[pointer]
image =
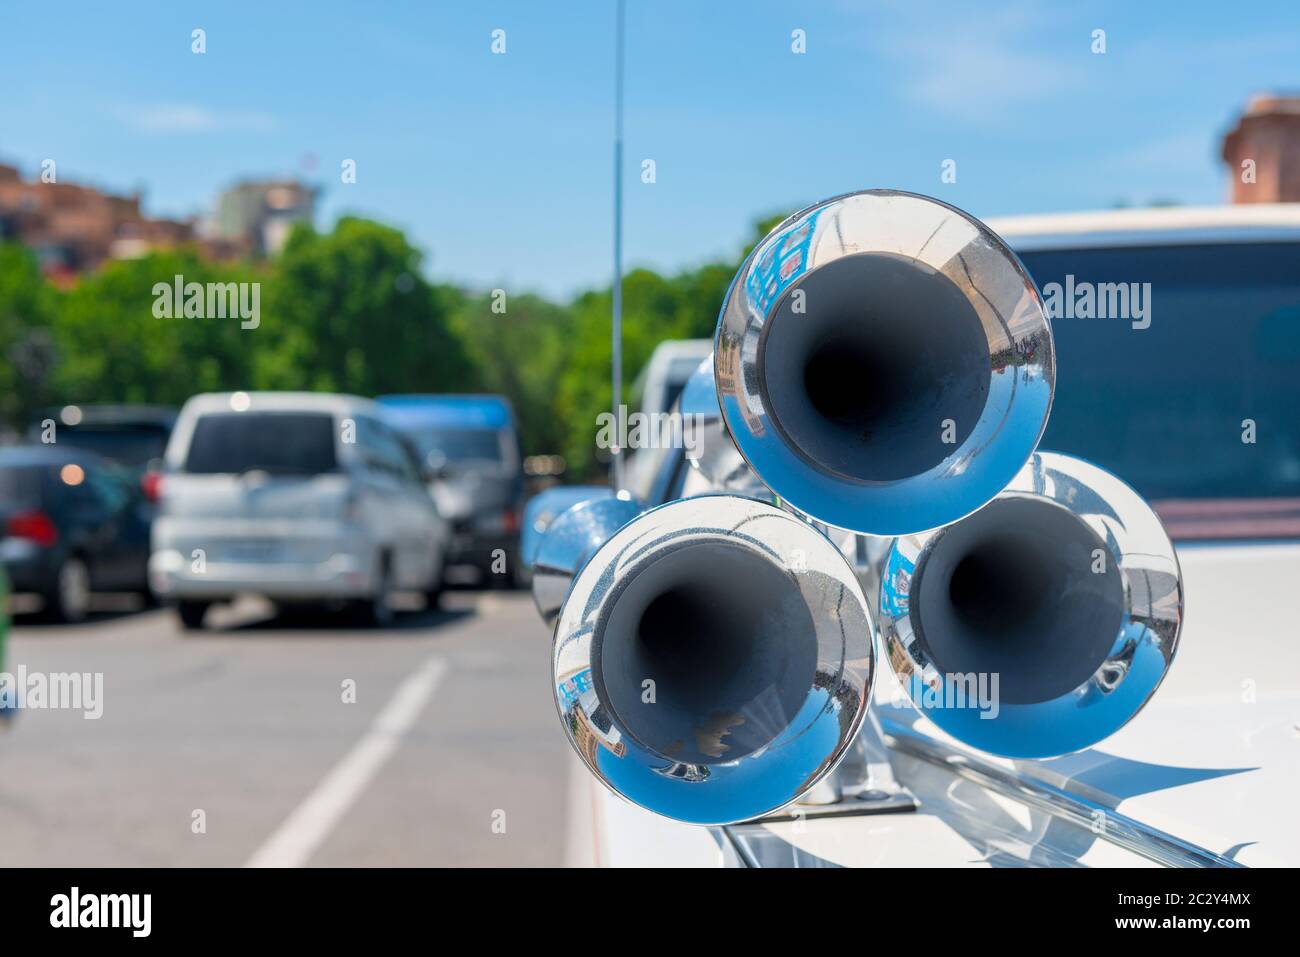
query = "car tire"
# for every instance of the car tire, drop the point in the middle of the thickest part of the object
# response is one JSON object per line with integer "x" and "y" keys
{"x": 68, "y": 601}
{"x": 433, "y": 594}
{"x": 509, "y": 580}
{"x": 192, "y": 613}
{"x": 375, "y": 611}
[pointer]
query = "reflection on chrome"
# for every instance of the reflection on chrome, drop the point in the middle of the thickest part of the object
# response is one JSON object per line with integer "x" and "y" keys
{"x": 884, "y": 362}
{"x": 716, "y": 458}
{"x": 569, "y": 542}
{"x": 883, "y": 366}
{"x": 1065, "y": 586}
{"x": 713, "y": 659}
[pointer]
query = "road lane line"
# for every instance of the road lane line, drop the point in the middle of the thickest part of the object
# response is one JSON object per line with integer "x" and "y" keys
{"x": 307, "y": 826}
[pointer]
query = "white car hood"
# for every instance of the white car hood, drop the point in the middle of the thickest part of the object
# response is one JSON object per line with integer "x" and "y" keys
{"x": 1215, "y": 757}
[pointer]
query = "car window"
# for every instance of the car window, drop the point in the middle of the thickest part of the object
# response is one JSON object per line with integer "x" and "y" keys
{"x": 281, "y": 443}
{"x": 127, "y": 444}
{"x": 411, "y": 460}
{"x": 107, "y": 491}
{"x": 460, "y": 445}
{"x": 381, "y": 449}
{"x": 1168, "y": 406}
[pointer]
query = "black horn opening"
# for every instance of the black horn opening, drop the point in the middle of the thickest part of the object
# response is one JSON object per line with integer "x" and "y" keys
{"x": 866, "y": 359}
{"x": 1022, "y": 589}
{"x": 726, "y": 641}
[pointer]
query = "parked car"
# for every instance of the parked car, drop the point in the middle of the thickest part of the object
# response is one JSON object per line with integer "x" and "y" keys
{"x": 661, "y": 381}
{"x": 7, "y": 707}
{"x": 297, "y": 497}
{"x": 72, "y": 524}
{"x": 133, "y": 436}
{"x": 655, "y": 392}
{"x": 470, "y": 444}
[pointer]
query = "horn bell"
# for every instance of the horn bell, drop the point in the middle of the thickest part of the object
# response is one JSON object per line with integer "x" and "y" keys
{"x": 884, "y": 362}
{"x": 1062, "y": 596}
{"x": 713, "y": 660}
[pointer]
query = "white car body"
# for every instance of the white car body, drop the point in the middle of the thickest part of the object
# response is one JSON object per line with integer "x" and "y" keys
{"x": 296, "y": 537}
{"x": 1207, "y": 774}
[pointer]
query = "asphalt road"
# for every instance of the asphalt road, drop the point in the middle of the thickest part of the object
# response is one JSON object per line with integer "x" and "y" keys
{"x": 450, "y": 755}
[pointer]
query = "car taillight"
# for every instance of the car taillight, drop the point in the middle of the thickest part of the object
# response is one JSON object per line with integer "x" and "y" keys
{"x": 510, "y": 521}
{"x": 34, "y": 526}
{"x": 151, "y": 485}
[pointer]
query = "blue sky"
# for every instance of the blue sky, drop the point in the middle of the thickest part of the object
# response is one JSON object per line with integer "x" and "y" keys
{"x": 498, "y": 166}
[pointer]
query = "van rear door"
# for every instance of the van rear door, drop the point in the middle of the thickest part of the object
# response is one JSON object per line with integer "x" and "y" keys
{"x": 266, "y": 476}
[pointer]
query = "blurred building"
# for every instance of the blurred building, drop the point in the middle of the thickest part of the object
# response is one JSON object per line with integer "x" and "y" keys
{"x": 73, "y": 228}
{"x": 1268, "y": 134}
{"x": 260, "y": 213}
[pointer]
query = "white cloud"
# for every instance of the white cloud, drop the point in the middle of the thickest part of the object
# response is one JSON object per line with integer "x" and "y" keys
{"x": 191, "y": 118}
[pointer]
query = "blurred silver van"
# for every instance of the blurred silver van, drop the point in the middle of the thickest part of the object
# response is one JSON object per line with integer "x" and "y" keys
{"x": 294, "y": 496}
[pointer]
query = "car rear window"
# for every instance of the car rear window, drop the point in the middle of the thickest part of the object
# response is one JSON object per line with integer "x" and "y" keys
{"x": 460, "y": 445}
{"x": 134, "y": 445}
{"x": 280, "y": 443}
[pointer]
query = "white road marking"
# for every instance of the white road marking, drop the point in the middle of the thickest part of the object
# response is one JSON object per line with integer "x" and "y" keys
{"x": 294, "y": 842}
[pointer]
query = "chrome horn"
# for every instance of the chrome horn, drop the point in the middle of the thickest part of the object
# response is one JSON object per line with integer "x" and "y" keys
{"x": 1062, "y": 597}
{"x": 884, "y": 363}
{"x": 713, "y": 660}
{"x": 569, "y": 542}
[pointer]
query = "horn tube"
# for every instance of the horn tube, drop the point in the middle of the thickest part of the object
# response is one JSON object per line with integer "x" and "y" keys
{"x": 713, "y": 660}
{"x": 1060, "y": 602}
{"x": 884, "y": 363}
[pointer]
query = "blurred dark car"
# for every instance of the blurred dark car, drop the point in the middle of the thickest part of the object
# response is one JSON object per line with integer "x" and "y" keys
{"x": 470, "y": 445}
{"x": 70, "y": 523}
{"x": 132, "y": 436}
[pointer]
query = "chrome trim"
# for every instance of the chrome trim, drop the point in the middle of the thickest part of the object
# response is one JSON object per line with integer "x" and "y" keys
{"x": 1117, "y": 828}
{"x": 568, "y": 545}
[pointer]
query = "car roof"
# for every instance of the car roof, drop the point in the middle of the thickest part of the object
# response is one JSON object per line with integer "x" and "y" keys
{"x": 457, "y": 411}
{"x": 107, "y": 414}
{"x": 18, "y": 456}
{"x": 1160, "y": 226}
{"x": 682, "y": 348}
{"x": 336, "y": 403}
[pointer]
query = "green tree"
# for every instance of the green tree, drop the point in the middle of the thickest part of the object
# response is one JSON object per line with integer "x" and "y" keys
{"x": 350, "y": 312}
{"x": 112, "y": 347}
{"x": 519, "y": 347}
{"x": 655, "y": 308}
{"x": 27, "y": 306}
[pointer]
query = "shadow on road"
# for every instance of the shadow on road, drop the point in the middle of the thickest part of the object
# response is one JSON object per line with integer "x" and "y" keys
{"x": 28, "y": 612}
{"x": 315, "y": 622}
